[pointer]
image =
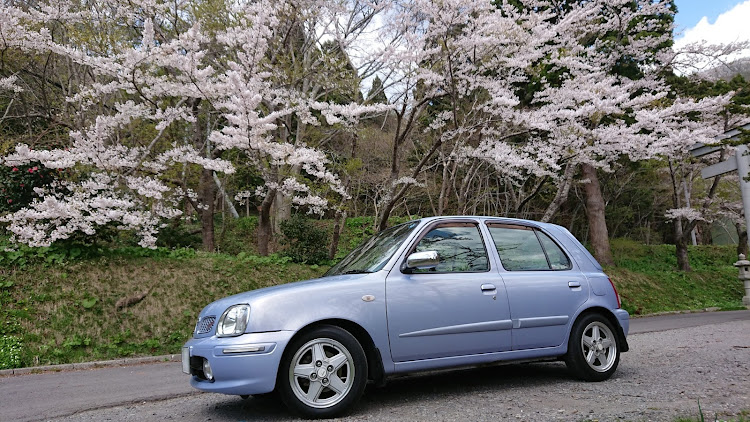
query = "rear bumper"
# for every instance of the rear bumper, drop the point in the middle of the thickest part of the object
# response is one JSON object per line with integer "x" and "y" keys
{"x": 623, "y": 317}
{"x": 246, "y": 364}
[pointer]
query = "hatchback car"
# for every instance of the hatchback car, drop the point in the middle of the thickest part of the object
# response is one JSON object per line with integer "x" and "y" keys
{"x": 432, "y": 293}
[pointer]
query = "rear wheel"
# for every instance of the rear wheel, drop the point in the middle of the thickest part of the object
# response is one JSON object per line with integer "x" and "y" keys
{"x": 323, "y": 372}
{"x": 593, "y": 349}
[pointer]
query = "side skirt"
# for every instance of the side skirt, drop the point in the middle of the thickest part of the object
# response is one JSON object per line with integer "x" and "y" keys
{"x": 509, "y": 357}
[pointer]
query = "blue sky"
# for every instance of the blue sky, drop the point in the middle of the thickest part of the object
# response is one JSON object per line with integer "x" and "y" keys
{"x": 689, "y": 12}
{"x": 712, "y": 21}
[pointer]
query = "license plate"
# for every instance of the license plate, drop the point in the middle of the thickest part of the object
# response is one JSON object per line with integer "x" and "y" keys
{"x": 186, "y": 360}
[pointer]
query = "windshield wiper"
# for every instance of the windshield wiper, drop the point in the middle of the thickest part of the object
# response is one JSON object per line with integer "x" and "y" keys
{"x": 357, "y": 272}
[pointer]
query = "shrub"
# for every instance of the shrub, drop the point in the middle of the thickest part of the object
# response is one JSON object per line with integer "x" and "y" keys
{"x": 237, "y": 235}
{"x": 178, "y": 236}
{"x": 10, "y": 352}
{"x": 305, "y": 242}
{"x": 17, "y": 184}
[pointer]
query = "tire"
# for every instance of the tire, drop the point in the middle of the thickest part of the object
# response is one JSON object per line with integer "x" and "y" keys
{"x": 323, "y": 373}
{"x": 593, "y": 348}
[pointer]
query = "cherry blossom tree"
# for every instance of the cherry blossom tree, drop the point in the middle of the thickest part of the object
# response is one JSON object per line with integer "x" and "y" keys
{"x": 703, "y": 121}
{"x": 456, "y": 64}
{"x": 605, "y": 73}
{"x": 166, "y": 102}
{"x": 701, "y": 111}
{"x": 168, "y": 97}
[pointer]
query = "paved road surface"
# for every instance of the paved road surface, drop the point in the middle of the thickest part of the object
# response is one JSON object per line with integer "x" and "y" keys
{"x": 51, "y": 395}
{"x": 672, "y": 322}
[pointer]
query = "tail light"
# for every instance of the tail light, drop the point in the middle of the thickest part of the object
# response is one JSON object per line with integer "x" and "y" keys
{"x": 617, "y": 295}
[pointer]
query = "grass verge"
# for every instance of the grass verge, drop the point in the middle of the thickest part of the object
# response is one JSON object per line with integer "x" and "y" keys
{"x": 648, "y": 282}
{"x": 66, "y": 313}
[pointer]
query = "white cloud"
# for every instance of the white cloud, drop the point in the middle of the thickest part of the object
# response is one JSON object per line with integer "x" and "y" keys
{"x": 712, "y": 51}
{"x": 730, "y": 26}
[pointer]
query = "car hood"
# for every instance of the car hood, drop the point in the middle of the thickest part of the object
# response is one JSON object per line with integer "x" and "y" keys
{"x": 218, "y": 307}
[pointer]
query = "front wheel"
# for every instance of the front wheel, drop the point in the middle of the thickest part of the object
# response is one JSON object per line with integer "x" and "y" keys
{"x": 593, "y": 349}
{"x": 323, "y": 372}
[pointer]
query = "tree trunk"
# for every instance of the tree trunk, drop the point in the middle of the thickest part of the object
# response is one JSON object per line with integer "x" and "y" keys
{"x": 562, "y": 193}
{"x": 227, "y": 200}
{"x": 462, "y": 192}
{"x": 598, "y": 235}
{"x": 385, "y": 213}
{"x": 338, "y": 227}
{"x": 208, "y": 196}
{"x": 444, "y": 188}
{"x": 683, "y": 263}
{"x": 265, "y": 228}
{"x": 280, "y": 211}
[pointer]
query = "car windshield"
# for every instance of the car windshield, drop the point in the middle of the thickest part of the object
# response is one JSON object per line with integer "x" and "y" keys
{"x": 373, "y": 253}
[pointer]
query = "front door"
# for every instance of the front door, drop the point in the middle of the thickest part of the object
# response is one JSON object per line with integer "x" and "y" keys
{"x": 458, "y": 308}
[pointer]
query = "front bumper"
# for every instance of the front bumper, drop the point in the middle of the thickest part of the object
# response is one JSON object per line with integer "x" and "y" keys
{"x": 246, "y": 364}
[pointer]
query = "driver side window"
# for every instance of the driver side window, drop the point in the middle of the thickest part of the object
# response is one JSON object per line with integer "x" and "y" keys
{"x": 459, "y": 245}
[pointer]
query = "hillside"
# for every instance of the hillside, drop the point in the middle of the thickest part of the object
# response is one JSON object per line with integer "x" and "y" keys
{"x": 729, "y": 70}
{"x": 58, "y": 309}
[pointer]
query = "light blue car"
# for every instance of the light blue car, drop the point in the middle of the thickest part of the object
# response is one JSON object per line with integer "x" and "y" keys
{"x": 432, "y": 293}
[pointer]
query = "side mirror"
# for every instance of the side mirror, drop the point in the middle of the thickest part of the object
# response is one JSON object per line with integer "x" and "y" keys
{"x": 422, "y": 260}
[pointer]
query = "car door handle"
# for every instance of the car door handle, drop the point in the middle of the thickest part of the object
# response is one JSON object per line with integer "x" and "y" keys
{"x": 573, "y": 284}
{"x": 488, "y": 287}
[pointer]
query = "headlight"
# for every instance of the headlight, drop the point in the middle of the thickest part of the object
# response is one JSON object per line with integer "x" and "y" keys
{"x": 234, "y": 321}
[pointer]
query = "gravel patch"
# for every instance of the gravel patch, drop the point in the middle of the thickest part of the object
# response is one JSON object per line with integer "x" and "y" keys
{"x": 663, "y": 376}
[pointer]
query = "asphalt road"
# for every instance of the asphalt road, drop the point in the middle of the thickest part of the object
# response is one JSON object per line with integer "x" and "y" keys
{"x": 59, "y": 394}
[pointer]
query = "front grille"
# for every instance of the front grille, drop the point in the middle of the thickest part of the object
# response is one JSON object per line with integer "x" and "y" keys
{"x": 205, "y": 324}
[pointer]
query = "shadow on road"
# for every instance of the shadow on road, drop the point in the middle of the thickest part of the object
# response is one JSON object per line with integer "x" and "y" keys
{"x": 425, "y": 389}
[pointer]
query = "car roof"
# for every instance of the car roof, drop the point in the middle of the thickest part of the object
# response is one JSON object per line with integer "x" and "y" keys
{"x": 488, "y": 217}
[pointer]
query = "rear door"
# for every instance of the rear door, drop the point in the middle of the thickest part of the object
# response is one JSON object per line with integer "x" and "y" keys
{"x": 545, "y": 287}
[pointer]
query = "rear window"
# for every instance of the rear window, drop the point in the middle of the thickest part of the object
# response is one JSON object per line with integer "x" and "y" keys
{"x": 523, "y": 248}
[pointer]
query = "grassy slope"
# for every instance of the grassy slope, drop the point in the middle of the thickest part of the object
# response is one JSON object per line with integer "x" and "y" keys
{"x": 65, "y": 312}
{"x": 52, "y": 308}
{"x": 647, "y": 281}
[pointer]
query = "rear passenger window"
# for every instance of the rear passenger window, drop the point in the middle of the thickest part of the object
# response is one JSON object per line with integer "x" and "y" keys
{"x": 523, "y": 248}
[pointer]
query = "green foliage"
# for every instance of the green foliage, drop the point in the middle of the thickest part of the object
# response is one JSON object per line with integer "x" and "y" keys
{"x": 744, "y": 416}
{"x": 703, "y": 88}
{"x": 66, "y": 313}
{"x": 237, "y": 235}
{"x": 89, "y": 303}
{"x": 647, "y": 279}
{"x": 17, "y": 185}
{"x": 376, "y": 94}
{"x": 20, "y": 257}
{"x": 10, "y": 352}
{"x": 178, "y": 236}
{"x": 360, "y": 228}
{"x": 305, "y": 241}
{"x": 23, "y": 256}
{"x": 635, "y": 204}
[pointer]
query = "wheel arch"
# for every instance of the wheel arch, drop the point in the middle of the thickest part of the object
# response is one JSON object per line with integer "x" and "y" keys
{"x": 612, "y": 320}
{"x": 375, "y": 369}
